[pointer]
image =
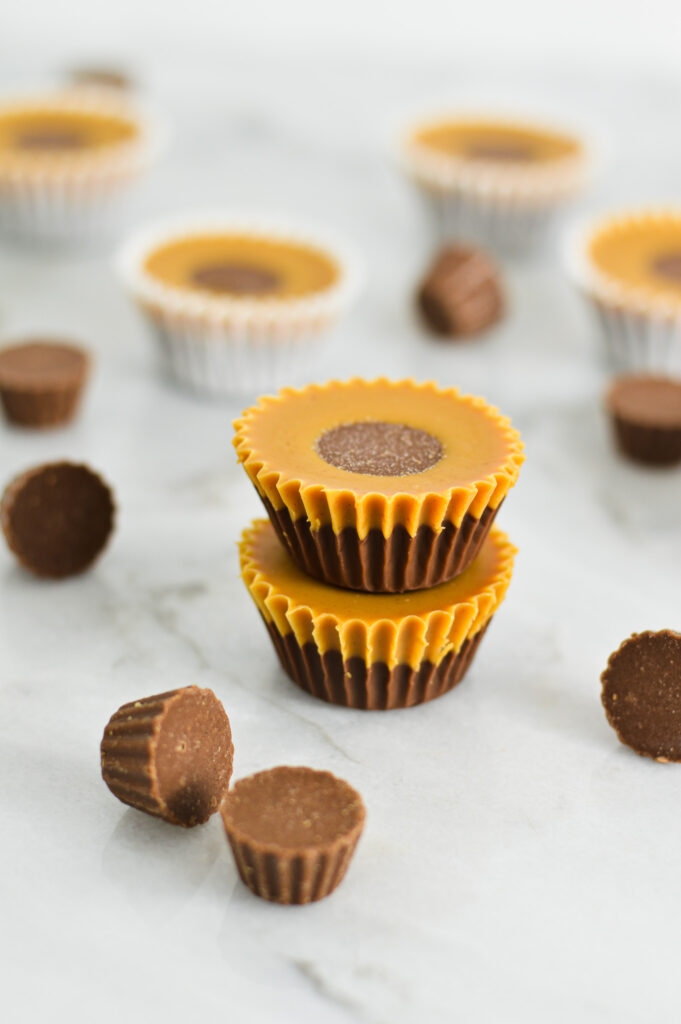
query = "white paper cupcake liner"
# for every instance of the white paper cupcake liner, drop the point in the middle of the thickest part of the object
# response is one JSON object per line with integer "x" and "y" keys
{"x": 508, "y": 208}
{"x": 75, "y": 195}
{"x": 223, "y": 345}
{"x": 640, "y": 331}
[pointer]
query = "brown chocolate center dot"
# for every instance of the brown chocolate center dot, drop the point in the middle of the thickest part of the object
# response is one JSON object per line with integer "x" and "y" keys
{"x": 238, "y": 278}
{"x": 669, "y": 266}
{"x": 51, "y": 139}
{"x": 376, "y": 448}
{"x": 499, "y": 151}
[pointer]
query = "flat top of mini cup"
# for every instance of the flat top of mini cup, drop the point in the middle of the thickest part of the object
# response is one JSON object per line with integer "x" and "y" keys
{"x": 378, "y": 437}
{"x": 293, "y": 808}
{"x": 240, "y": 264}
{"x": 266, "y": 563}
{"x": 32, "y": 131}
{"x": 498, "y": 141}
{"x": 639, "y": 251}
{"x": 41, "y": 364}
{"x": 57, "y": 518}
{"x": 642, "y": 693}
{"x": 645, "y": 399}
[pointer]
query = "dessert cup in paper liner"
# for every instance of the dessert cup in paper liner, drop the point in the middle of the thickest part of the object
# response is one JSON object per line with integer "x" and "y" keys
{"x": 238, "y": 304}
{"x": 69, "y": 161}
{"x": 628, "y": 266}
{"x": 491, "y": 179}
{"x": 293, "y": 832}
{"x": 373, "y": 651}
{"x": 384, "y": 486}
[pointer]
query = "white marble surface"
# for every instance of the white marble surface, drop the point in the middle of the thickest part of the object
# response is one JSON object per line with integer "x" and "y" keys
{"x": 518, "y": 864}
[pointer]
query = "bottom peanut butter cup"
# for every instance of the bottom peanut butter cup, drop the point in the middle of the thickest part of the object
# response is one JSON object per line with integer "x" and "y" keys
{"x": 293, "y": 832}
{"x": 170, "y": 755}
{"x": 373, "y": 651}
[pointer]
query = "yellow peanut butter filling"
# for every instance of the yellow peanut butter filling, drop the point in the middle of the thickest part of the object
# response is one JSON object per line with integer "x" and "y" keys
{"x": 45, "y": 133}
{"x": 243, "y": 265}
{"x": 641, "y": 252}
{"x": 423, "y": 625}
{"x": 471, "y": 453}
{"x": 496, "y": 141}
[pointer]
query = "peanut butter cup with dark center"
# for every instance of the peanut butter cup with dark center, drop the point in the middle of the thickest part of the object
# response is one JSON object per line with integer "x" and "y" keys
{"x": 376, "y": 485}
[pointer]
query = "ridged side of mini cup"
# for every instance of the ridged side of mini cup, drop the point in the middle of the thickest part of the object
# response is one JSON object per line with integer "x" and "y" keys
{"x": 127, "y": 752}
{"x": 648, "y": 445}
{"x": 41, "y": 408}
{"x": 292, "y": 878}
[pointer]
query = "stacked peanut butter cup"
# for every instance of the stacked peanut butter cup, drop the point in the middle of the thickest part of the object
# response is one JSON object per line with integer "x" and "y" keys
{"x": 380, "y": 568}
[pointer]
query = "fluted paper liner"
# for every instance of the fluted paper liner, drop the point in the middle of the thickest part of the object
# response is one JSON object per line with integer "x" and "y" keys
{"x": 378, "y": 533}
{"x": 294, "y": 875}
{"x": 129, "y": 750}
{"x": 222, "y": 344}
{"x": 370, "y": 650}
{"x": 641, "y": 326}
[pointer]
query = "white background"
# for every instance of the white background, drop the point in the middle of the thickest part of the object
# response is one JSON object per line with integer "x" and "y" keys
{"x": 519, "y": 866}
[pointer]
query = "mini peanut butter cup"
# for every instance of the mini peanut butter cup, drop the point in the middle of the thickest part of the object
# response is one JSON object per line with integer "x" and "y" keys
{"x": 461, "y": 294}
{"x": 646, "y": 416}
{"x": 41, "y": 382}
{"x": 170, "y": 755}
{"x": 370, "y": 651}
{"x": 57, "y": 518}
{"x": 293, "y": 832}
{"x": 379, "y": 486}
{"x": 642, "y": 694}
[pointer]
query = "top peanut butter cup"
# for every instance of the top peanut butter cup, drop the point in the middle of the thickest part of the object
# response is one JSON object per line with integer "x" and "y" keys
{"x": 379, "y": 485}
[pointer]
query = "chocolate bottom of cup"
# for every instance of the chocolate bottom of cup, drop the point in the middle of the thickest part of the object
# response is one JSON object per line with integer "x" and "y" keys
{"x": 41, "y": 409}
{"x": 654, "y": 446}
{"x": 379, "y": 564}
{"x": 294, "y": 878}
{"x": 375, "y": 687}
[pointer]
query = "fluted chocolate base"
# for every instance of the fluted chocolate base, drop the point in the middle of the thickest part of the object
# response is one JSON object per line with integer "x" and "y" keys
{"x": 653, "y": 446}
{"x": 376, "y": 687}
{"x": 293, "y": 878}
{"x": 41, "y": 409}
{"x": 379, "y": 564}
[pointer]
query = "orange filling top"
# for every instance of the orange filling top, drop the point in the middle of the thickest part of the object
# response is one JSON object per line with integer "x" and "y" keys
{"x": 242, "y": 265}
{"x": 49, "y": 132}
{"x": 643, "y": 252}
{"x": 496, "y": 141}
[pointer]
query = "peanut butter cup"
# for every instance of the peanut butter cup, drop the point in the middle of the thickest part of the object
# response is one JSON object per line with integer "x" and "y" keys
{"x": 41, "y": 382}
{"x": 293, "y": 832}
{"x": 642, "y": 694}
{"x": 461, "y": 294}
{"x": 170, "y": 755}
{"x": 646, "y": 417}
{"x": 373, "y": 651}
{"x": 376, "y": 485}
{"x": 57, "y": 518}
